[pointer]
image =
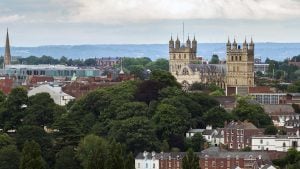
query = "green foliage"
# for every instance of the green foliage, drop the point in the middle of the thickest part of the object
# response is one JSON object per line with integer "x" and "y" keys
{"x": 195, "y": 143}
{"x": 190, "y": 161}
{"x": 164, "y": 77}
{"x": 65, "y": 159}
{"x": 9, "y": 157}
{"x": 246, "y": 149}
{"x": 6, "y": 140}
{"x": 159, "y": 64}
{"x": 294, "y": 88}
{"x": 214, "y": 59}
{"x": 216, "y": 117}
{"x": 31, "y": 156}
{"x": 251, "y": 112}
{"x": 271, "y": 130}
{"x": 290, "y": 161}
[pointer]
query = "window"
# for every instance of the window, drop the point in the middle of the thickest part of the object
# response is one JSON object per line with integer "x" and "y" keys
{"x": 213, "y": 163}
{"x": 231, "y": 58}
{"x": 240, "y": 58}
{"x": 153, "y": 165}
{"x": 139, "y": 165}
{"x": 146, "y": 165}
{"x": 222, "y": 164}
{"x": 283, "y": 145}
{"x": 261, "y": 141}
{"x": 206, "y": 163}
{"x": 169, "y": 164}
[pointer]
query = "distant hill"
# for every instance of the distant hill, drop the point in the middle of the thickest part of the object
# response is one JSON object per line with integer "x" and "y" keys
{"x": 278, "y": 51}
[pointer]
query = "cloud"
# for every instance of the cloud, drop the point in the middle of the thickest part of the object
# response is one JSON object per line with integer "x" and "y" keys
{"x": 10, "y": 18}
{"x": 120, "y": 11}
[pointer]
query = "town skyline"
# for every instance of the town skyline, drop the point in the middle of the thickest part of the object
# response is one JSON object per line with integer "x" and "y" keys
{"x": 53, "y": 22}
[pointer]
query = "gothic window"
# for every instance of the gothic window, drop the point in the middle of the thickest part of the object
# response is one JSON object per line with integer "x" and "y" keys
{"x": 240, "y": 58}
{"x": 174, "y": 56}
{"x": 179, "y": 56}
{"x": 283, "y": 145}
{"x": 184, "y": 56}
{"x": 249, "y": 82}
{"x": 236, "y": 58}
{"x": 235, "y": 81}
{"x": 237, "y": 69}
{"x": 185, "y": 71}
{"x": 234, "y": 68}
{"x": 231, "y": 58}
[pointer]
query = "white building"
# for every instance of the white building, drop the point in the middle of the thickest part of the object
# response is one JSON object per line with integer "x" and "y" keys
{"x": 207, "y": 133}
{"x": 146, "y": 160}
{"x": 275, "y": 142}
{"x": 55, "y": 93}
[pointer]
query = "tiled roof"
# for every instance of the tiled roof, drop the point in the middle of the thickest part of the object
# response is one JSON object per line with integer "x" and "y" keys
{"x": 260, "y": 89}
{"x": 278, "y": 109}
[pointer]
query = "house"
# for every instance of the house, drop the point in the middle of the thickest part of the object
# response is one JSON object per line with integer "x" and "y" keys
{"x": 275, "y": 142}
{"x": 208, "y": 133}
{"x": 147, "y": 160}
{"x": 281, "y": 113}
{"x": 217, "y": 158}
{"x": 237, "y": 135}
{"x": 54, "y": 91}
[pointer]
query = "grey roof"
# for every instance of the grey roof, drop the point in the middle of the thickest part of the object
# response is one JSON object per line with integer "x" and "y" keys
{"x": 208, "y": 132}
{"x": 221, "y": 153}
{"x": 241, "y": 125}
{"x": 196, "y": 130}
{"x": 208, "y": 68}
{"x": 278, "y": 108}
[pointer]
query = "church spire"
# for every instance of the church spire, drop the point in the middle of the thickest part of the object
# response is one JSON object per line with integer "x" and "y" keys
{"x": 7, "y": 55}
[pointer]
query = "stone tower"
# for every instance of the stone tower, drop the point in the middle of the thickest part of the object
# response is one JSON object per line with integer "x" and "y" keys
{"x": 7, "y": 55}
{"x": 181, "y": 56}
{"x": 240, "y": 68}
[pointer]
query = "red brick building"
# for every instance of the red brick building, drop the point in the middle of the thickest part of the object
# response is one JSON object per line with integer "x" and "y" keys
{"x": 6, "y": 84}
{"x": 237, "y": 135}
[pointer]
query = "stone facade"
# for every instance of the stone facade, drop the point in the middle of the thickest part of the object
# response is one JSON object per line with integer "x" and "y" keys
{"x": 185, "y": 66}
{"x": 236, "y": 76}
{"x": 240, "y": 67}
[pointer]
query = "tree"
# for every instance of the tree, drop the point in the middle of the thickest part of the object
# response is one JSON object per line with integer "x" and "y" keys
{"x": 196, "y": 143}
{"x": 190, "y": 160}
{"x": 9, "y": 157}
{"x": 271, "y": 130}
{"x": 252, "y": 112}
{"x": 143, "y": 137}
{"x": 214, "y": 59}
{"x": 159, "y": 64}
{"x": 90, "y": 62}
{"x": 148, "y": 91}
{"x": 6, "y": 140}
{"x": 66, "y": 159}
{"x": 129, "y": 162}
{"x": 92, "y": 152}
{"x": 40, "y": 110}
{"x": 295, "y": 87}
{"x": 216, "y": 117}
{"x": 31, "y": 156}
{"x": 164, "y": 77}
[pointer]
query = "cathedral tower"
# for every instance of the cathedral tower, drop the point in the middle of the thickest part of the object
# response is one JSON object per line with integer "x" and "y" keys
{"x": 181, "y": 56}
{"x": 7, "y": 55}
{"x": 240, "y": 68}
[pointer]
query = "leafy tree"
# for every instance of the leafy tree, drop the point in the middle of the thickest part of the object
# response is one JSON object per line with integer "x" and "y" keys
{"x": 214, "y": 59}
{"x": 38, "y": 135}
{"x": 159, "y": 64}
{"x": 129, "y": 162}
{"x": 295, "y": 87}
{"x": 143, "y": 137}
{"x": 132, "y": 109}
{"x": 6, "y": 140}
{"x": 195, "y": 143}
{"x": 164, "y": 77}
{"x": 90, "y": 62}
{"x": 252, "y": 112}
{"x": 66, "y": 159}
{"x": 92, "y": 152}
{"x": 31, "y": 156}
{"x": 147, "y": 91}
{"x": 190, "y": 161}
{"x": 271, "y": 130}
{"x": 9, "y": 157}
{"x": 137, "y": 71}
{"x": 216, "y": 117}
{"x": 40, "y": 110}
{"x": 296, "y": 108}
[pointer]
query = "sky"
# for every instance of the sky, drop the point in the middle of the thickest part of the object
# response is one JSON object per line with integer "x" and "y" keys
{"x": 73, "y": 22}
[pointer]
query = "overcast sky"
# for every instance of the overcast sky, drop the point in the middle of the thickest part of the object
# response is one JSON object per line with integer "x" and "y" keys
{"x": 49, "y": 22}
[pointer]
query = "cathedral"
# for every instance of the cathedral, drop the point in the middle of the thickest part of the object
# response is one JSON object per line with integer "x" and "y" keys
{"x": 235, "y": 77}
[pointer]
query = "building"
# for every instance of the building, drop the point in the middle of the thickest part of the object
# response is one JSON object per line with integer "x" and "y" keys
{"x": 240, "y": 68}
{"x": 261, "y": 67}
{"x": 55, "y": 92}
{"x": 6, "y": 84}
{"x": 275, "y": 142}
{"x": 216, "y": 158}
{"x": 7, "y": 55}
{"x": 237, "y": 135}
{"x": 186, "y": 67}
{"x": 211, "y": 158}
{"x": 208, "y": 133}
{"x": 281, "y": 113}
{"x": 147, "y": 160}
{"x": 269, "y": 98}
{"x": 108, "y": 61}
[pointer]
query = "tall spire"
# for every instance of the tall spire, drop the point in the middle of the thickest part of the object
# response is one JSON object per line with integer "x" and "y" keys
{"x": 7, "y": 55}
{"x": 121, "y": 71}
